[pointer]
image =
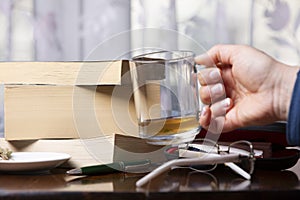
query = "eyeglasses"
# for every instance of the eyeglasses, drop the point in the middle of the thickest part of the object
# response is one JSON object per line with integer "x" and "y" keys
{"x": 207, "y": 152}
{"x": 207, "y": 148}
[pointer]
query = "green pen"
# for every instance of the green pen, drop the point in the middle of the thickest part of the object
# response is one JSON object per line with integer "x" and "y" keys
{"x": 121, "y": 166}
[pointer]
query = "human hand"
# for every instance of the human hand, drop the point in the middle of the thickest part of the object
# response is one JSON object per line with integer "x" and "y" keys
{"x": 243, "y": 87}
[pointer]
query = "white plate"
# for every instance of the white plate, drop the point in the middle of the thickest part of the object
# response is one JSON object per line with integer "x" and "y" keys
{"x": 33, "y": 161}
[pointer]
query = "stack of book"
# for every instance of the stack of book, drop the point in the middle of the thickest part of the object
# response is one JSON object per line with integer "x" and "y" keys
{"x": 54, "y": 106}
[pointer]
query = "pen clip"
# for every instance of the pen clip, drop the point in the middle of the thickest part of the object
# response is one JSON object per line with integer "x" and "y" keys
{"x": 137, "y": 166}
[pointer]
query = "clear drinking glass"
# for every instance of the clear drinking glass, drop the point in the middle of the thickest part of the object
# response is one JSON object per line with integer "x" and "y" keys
{"x": 166, "y": 96}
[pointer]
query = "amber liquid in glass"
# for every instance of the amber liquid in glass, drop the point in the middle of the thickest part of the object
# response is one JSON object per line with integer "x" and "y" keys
{"x": 168, "y": 126}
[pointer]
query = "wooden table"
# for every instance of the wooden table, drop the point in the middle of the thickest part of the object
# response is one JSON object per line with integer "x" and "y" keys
{"x": 177, "y": 184}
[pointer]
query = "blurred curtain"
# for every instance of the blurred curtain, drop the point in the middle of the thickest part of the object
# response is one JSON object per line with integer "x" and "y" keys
{"x": 59, "y": 30}
{"x": 72, "y": 29}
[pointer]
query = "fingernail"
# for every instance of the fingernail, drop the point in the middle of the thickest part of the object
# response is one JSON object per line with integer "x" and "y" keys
{"x": 226, "y": 102}
{"x": 214, "y": 75}
{"x": 217, "y": 89}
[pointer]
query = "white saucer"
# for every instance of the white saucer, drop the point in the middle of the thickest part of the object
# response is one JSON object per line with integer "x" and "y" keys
{"x": 33, "y": 161}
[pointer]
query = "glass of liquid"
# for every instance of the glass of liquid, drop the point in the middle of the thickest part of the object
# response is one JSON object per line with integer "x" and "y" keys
{"x": 165, "y": 89}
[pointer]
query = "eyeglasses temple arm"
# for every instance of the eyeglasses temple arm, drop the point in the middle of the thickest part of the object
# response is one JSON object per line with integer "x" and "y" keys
{"x": 187, "y": 162}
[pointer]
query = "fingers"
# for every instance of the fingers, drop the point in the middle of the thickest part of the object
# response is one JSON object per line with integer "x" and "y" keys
{"x": 209, "y": 76}
{"x": 213, "y": 118}
{"x": 213, "y": 125}
{"x": 220, "y": 108}
{"x": 205, "y": 117}
{"x": 212, "y": 93}
{"x": 218, "y": 54}
{"x": 212, "y": 88}
{"x": 204, "y": 59}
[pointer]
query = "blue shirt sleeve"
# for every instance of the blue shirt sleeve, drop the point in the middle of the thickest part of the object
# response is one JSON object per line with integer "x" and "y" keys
{"x": 293, "y": 123}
